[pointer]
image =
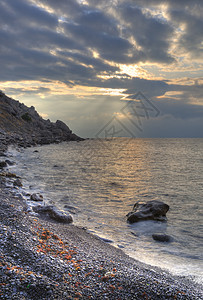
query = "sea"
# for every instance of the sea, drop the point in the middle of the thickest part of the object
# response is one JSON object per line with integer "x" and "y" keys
{"x": 98, "y": 181}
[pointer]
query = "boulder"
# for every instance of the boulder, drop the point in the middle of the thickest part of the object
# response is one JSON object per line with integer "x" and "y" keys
{"x": 36, "y": 197}
{"x": 161, "y": 237}
{"x": 53, "y": 213}
{"x": 151, "y": 210}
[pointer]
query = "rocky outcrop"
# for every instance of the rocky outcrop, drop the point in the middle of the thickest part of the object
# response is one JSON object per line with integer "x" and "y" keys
{"x": 151, "y": 210}
{"x": 53, "y": 213}
{"x": 23, "y": 126}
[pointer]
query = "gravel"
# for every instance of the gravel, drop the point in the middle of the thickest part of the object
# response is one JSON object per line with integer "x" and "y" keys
{"x": 41, "y": 259}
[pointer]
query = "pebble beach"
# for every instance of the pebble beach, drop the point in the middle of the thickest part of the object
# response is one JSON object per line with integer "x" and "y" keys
{"x": 43, "y": 259}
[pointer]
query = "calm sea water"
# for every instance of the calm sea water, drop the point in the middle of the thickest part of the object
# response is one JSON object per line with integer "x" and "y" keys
{"x": 99, "y": 181}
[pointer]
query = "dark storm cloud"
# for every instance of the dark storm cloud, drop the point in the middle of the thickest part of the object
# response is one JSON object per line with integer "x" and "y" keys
{"x": 98, "y": 64}
{"x": 47, "y": 43}
{"x": 110, "y": 47}
{"x": 14, "y": 12}
{"x": 79, "y": 43}
{"x": 151, "y": 34}
{"x": 181, "y": 96}
{"x": 179, "y": 109}
{"x": 29, "y": 51}
{"x": 189, "y": 14}
{"x": 150, "y": 31}
{"x": 151, "y": 88}
{"x": 45, "y": 38}
{"x": 111, "y": 35}
{"x": 191, "y": 39}
{"x": 99, "y": 21}
{"x": 36, "y": 65}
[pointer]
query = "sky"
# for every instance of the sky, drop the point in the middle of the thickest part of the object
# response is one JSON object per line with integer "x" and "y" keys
{"x": 107, "y": 67}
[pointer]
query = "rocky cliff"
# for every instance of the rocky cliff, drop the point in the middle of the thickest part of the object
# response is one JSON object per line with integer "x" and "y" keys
{"x": 23, "y": 126}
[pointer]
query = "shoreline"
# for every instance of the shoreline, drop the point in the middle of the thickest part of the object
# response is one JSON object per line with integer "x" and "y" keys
{"x": 43, "y": 259}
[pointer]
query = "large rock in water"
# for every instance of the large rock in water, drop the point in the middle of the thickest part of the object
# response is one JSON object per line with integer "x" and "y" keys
{"x": 151, "y": 210}
{"x": 53, "y": 213}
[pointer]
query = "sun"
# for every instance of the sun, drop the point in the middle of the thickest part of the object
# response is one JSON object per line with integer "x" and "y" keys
{"x": 132, "y": 70}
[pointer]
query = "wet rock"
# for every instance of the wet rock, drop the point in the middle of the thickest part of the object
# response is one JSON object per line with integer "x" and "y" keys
{"x": 2, "y": 153}
{"x": 17, "y": 182}
{"x": 151, "y": 210}
{"x": 36, "y": 197}
{"x": 10, "y": 163}
{"x": 3, "y": 164}
{"x": 104, "y": 239}
{"x": 161, "y": 237}
{"x": 71, "y": 209}
{"x": 9, "y": 175}
{"x": 53, "y": 213}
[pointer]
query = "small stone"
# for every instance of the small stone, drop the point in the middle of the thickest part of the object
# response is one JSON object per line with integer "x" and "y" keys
{"x": 17, "y": 182}
{"x": 36, "y": 197}
{"x": 10, "y": 163}
{"x": 3, "y": 164}
{"x": 54, "y": 213}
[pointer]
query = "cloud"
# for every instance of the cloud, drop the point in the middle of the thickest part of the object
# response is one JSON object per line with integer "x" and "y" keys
{"x": 179, "y": 109}
{"x": 77, "y": 42}
{"x": 161, "y": 23}
{"x": 22, "y": 12}
{"x": 97, "y": 20}
{"x": 85, "y": 43}
{"x": 151, "y": 34}
{"x": 98, "y": 64}
{"x": 190, "y": 40}
{"x": 65, "y": 8}
{"x": 26, "y": 91}
{"x": 109, "y": 47}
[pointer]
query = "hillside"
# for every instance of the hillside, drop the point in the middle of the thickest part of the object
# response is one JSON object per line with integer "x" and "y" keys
{"x": 24, "y": 126}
